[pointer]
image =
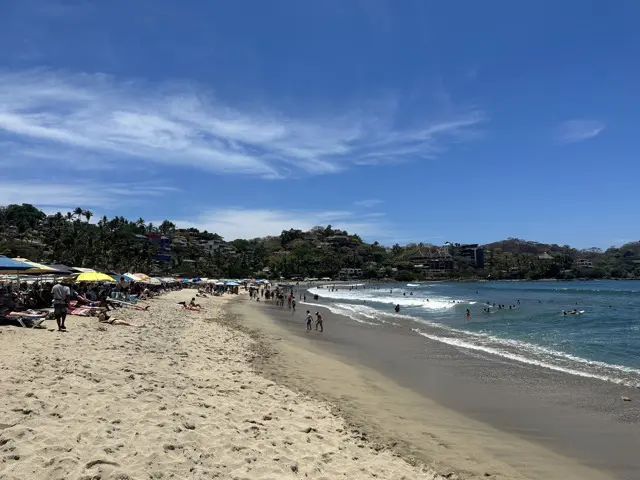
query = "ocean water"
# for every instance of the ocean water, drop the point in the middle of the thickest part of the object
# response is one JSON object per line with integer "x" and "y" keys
{"x": 603, "y": 342}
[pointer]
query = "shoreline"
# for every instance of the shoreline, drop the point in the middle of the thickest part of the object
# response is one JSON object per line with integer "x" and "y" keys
{"x": 574, "y": 420}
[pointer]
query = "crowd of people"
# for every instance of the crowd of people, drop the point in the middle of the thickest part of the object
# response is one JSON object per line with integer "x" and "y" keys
{"x": 286, "y": 293}
{"x": 48, "y": 299}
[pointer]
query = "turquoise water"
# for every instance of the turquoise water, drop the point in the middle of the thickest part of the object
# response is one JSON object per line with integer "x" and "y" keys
{"x": 603, "y": 342}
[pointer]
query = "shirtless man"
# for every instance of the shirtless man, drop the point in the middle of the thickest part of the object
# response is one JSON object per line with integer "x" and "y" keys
{"x": 319, "y": 322}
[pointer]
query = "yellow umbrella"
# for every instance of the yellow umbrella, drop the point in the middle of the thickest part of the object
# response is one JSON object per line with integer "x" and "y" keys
{"x": 94, "y": 277}
{"x": 36, "y": 267}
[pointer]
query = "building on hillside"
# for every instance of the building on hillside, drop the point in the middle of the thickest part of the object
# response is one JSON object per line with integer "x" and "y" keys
{"x": 210, "y": 246}
{"x": 339, "y": 240}
{"x": 433, "y": 258}
{"x": 345, "y": 273}
{"x": 163, "y": 255}
{"x": 545, "y": 256}
{"x": 472, "y": 251}
{"x": 583, "y": 263}
{"x": 179, "y": 241}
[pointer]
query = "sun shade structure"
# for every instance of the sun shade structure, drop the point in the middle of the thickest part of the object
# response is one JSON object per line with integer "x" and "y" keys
{"x": 130, "y": 277}
{"x": 82, "y": 270}
{"x": 36, "y": 268}
{"x": 61, "y": 268}
{"x": 11, "y": 267}
{"x": 94, "y": 277}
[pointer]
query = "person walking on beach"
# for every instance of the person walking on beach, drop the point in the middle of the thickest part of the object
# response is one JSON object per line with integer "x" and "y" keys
{"x": 309, "y": 320}
{"x": 293, "y": 305}
{"x": 61, "y": 296}
{"x": 319, "y": 322}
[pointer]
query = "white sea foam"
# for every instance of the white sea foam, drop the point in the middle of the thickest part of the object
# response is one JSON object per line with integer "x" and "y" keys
{"x": 606, "y": 372}
{"x": 383, "y": 296}
{"x": 354, "y": 312}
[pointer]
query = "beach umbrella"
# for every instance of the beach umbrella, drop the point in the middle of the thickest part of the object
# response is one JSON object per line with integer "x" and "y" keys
{"x": 143, "y": 277}
{"x": 35, "y": 267}
{"x": 220, "y": 283}
{"x": 94, "y": 277}
{"x": 154, "y": 281}
{"x": 10, "y": 266}
{"x": 82, "y": 270}
{"x": 61, "y": 268}
{"x": 131, "y": 277}
{"x": 232, "y": 284}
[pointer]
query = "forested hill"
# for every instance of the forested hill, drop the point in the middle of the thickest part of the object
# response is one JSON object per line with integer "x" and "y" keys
{"x": 118, "y": 245}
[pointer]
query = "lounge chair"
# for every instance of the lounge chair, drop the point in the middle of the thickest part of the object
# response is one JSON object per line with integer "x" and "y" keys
{"x": 27, "y": 320}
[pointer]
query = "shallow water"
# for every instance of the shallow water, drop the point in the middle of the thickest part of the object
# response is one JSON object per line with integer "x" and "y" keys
{"x": 603, "y": 342}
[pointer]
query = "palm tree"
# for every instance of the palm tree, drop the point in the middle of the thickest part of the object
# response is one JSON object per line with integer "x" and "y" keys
{"x": 78, "y": 212}
{"x": 87, "y": 214}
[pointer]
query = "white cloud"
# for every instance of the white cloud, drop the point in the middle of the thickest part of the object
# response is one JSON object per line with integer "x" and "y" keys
{"x": 93, "y": 119}
{"x": 573, "y": 131}
{"x": 65, "y": 197}
{"x": 372, "y": 202}
{"x": 232, "y": 223}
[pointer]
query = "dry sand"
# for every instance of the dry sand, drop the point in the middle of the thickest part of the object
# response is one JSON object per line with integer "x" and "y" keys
{"x": 178, "y": 399}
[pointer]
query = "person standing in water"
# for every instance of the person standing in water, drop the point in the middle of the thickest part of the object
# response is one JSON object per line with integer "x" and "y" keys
{"x": 397, "y": 309}
{"x": 468, "y": 313}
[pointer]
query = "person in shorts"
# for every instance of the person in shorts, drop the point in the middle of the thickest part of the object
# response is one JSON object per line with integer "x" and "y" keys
{"x": 309, "y": 320}
{"x": 61, "y": 295}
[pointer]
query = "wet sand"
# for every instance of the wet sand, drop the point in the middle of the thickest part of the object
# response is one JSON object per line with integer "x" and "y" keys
{"x": 478, "y": 415}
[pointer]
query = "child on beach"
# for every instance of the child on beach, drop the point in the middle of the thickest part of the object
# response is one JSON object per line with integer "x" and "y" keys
{"x": 309, "y": 320}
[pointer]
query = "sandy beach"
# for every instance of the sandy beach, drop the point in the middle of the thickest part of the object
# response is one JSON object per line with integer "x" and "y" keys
{"x": 178, "y": 399}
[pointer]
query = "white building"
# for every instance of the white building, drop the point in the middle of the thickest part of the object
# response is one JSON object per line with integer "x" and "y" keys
{"x": 584, "y": 263}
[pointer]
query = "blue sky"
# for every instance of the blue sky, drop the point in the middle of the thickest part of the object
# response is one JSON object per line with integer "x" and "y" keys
{"x": 402, "y": 121}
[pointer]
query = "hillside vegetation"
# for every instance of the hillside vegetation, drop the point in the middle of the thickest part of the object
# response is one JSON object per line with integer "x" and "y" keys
{"x": 118, "y": 245}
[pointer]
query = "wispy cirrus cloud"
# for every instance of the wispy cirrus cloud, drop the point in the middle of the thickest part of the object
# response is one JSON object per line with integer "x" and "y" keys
{"x": 368, "y": 203}
{"x": 573, "y": 131}
{"x": 234, "y": 222}
{"x": 64, "y": 196}
{"x": 100, "y": 120}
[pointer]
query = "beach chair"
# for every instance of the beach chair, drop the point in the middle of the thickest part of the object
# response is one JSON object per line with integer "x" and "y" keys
{"x": 27, "y": 320}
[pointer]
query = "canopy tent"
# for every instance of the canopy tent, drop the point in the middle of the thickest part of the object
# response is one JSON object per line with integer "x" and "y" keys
{"x": 10, "y": 266}
{"x": 36, "y": 268}
{"x": 94, "y": 277}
